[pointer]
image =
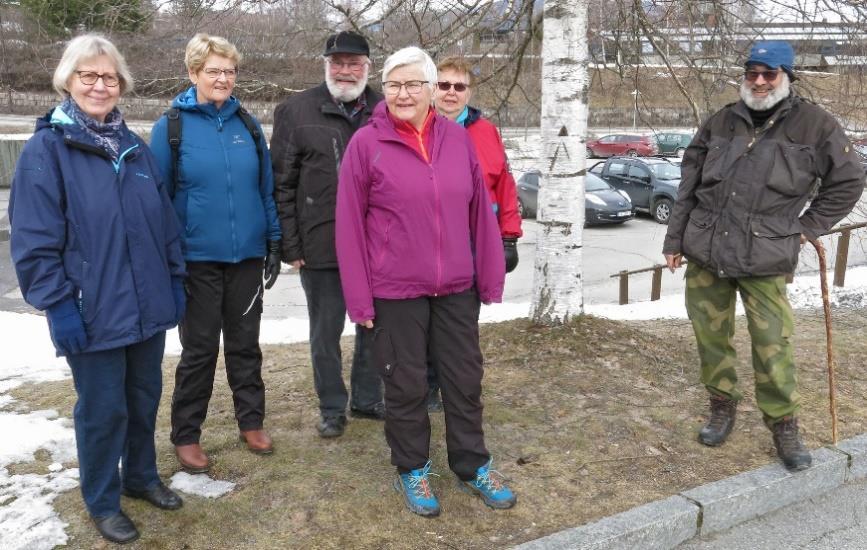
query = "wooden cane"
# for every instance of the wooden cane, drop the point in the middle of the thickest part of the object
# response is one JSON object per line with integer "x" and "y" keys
{"x": 826, "y": 305}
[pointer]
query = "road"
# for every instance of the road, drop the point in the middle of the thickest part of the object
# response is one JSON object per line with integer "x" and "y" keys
{"x": 835, "y": 521}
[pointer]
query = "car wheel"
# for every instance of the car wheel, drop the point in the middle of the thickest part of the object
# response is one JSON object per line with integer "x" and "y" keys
{"x": 680, "y": 152}
{"x": 521, "y": 211}
{"x": 590, "y": 154}
{"x": 632, "y": 153}
{"x": 662, "y": 211}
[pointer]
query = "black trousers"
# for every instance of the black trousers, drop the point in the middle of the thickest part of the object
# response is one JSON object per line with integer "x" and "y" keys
{"x": 446, "y": 330}
{"x": 227, "y": 298}
{"x": 326, "y": 310}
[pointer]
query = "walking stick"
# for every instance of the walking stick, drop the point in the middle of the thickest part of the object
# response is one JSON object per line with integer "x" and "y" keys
{"x": 826, "y": 305}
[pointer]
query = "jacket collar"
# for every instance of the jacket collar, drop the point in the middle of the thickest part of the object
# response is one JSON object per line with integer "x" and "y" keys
{"x": 328, "y": 106}
{"x": 786, "y": 105}
{"x": 61, "y": 122}
{"x": 188, "y": 101}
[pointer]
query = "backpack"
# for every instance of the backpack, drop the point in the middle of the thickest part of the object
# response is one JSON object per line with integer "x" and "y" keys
{"x": 174, "y": 134}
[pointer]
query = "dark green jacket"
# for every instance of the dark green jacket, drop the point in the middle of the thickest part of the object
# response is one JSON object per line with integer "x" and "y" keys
{"x": 740, "y": 206}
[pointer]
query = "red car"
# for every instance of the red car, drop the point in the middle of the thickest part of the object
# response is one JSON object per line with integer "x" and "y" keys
{"x": 622, "y": 144}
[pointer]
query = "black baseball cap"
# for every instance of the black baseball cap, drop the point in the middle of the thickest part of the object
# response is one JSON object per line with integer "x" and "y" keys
{"x": 347, "y": 42}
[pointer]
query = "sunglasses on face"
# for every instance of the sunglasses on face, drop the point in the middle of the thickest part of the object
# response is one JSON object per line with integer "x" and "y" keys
{"x": 752, "y": 76}
{"x": 458, "y": 86}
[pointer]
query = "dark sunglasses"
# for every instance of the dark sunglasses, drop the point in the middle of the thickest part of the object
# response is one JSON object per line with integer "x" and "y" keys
{"x": 769, "y": 76}
{"x": 446, "y": 86}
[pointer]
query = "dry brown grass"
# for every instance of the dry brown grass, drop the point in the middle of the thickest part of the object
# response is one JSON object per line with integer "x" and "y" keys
{"x": 586, "y": 420}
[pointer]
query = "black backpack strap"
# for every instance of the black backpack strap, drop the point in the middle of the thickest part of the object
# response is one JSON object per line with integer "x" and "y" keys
{"x": 248, "y": 121}
{"x": 173, "y": 116}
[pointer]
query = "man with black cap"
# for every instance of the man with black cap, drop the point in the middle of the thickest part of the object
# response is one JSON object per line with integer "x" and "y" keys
{"x": 311, "y": 131}
{"x": 739, "y": 219}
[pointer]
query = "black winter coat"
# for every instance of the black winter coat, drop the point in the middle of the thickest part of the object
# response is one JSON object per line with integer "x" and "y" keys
{"x": 740, "y": 206}
{"x": 310, "y": 135}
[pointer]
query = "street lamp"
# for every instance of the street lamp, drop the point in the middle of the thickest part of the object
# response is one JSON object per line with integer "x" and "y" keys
{"x": 635, "y": 94}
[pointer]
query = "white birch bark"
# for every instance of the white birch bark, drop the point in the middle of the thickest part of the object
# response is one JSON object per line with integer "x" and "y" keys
{"x": 558, "y": 277}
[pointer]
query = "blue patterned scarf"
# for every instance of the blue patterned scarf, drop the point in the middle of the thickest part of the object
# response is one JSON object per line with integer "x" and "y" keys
{"x": 106, "y": 134}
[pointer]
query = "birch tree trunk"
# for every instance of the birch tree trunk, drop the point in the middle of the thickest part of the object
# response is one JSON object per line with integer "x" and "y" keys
{"x": 557, "y": 281}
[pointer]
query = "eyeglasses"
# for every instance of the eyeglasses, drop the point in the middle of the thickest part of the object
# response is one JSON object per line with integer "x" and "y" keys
{"x": 392, "y": 87}
{"x": 769, "y": 76}
{"x": 354, "y": 66}
{"x": 89, "y": 78}
{"x": 458, "y": 86}
{"x": 214, "y": 73}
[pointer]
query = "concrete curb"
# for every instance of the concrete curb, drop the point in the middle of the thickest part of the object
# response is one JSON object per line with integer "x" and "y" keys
{"x": 716, "y": 506}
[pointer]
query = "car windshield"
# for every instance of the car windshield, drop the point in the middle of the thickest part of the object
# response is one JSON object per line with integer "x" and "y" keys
{"x": 594, "y": 183}
{"x": 665, "y": 171}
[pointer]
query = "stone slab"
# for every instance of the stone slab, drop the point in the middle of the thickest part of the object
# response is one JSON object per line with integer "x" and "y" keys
{"x": 740, "y": 498}
{"x": 856, "y": 448}
{"x": 659, "y": 525}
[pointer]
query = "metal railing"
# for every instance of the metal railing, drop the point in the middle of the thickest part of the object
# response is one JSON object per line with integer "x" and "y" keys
{"x": 840, "y": 265}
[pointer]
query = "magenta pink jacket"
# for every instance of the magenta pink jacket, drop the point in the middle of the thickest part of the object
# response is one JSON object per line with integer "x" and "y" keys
{"x": 408, "y": 228}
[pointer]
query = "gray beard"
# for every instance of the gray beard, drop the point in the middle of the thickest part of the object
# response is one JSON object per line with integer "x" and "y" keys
{"x": 775, "y": 96}
{"x": 345, "y": 94}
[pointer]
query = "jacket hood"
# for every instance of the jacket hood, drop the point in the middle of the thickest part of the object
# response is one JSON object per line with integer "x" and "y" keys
{"x": 473, "y": 115}
{"x": 187, "y": 101}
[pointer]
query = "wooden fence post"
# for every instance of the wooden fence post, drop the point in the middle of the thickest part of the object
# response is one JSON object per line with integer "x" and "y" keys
{"x": 656, "y": 284}
{"x": 842, "y": 258}
{"x": 624, "y": 287}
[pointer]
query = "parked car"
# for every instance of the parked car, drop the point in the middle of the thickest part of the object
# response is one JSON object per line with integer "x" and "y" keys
{"x": 602, "y": 203}
{"x": 622, "y": 144}
{"x": 651, "y": 183}
{"x": 673, "y": 144}
{"x": 860, "y": 147}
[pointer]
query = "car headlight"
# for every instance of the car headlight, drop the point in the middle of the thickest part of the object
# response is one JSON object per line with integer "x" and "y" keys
{"x": 594, "y": 199}
{"x": 625, "y": 195}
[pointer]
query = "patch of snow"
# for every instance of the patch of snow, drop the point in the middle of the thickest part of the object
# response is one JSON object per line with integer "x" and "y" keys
{"x": 201, "y": 485}
{"x": 27, "y": 517}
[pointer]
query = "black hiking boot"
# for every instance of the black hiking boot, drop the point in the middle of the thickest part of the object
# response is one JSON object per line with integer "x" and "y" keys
{"x": 789, "y": 446}
{"x": 722, "y": 419}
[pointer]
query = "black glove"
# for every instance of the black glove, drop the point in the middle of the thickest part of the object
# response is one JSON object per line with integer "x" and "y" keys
{"x": 272, "y": 264}
{"x": 510, "y": 249}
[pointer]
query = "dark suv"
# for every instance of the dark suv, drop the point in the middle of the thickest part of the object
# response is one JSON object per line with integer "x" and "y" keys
{"x": 651, "y": 183}
{"x": 673, "y": 144}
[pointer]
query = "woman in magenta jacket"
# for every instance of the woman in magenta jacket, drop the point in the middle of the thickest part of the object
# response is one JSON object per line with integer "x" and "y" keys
{"x": 419, "y": 249}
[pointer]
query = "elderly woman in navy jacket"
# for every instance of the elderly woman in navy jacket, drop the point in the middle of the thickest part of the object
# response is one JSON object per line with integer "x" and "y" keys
{"x": 222, "y": 189}
{"x": 96, "y": 246}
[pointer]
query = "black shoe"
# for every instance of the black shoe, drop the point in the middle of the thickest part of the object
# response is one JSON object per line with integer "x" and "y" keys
{"x": 789, "y": 446}
{"x": 331, "y": 426}
{"x": 376, "y": 413}
{"x": 434, "y": 403}
{"x": 160, "y": 496}
{"x": 722, "y": 419}
{"x": 117, "y": 528}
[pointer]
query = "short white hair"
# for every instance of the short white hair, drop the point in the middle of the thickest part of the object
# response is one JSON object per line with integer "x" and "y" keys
{"x": 86, "y": 47}
{"x": 411, "y": 56}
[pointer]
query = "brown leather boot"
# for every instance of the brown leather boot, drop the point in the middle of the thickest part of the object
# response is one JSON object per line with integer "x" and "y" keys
{"x": 722, "y": 419}
{"x": 789, "y": 446}
{"x": 192, "y": 458}
{"x": 258, "y": 441}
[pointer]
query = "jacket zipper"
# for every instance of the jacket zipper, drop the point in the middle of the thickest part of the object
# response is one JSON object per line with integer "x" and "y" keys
{"x": 229, "y": 193}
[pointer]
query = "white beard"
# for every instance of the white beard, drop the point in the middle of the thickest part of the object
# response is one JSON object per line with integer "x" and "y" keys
{"x": 346, "y": 94}
{"x": 775, "y": 96}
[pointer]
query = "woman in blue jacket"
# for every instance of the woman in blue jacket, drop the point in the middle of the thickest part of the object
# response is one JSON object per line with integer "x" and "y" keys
{"x": 222, "y": 189}
{"x": 96, "y": 246}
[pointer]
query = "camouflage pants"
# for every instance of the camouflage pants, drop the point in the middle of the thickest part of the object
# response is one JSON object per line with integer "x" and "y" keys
{"x": 710, "y": 303}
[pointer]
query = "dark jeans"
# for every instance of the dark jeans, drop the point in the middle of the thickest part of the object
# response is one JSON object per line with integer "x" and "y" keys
{"x": 227, "y": 298}
{"x": 115, "y": 415}
{"x": 444, "y": 330}
{"x": 327, "y": 312}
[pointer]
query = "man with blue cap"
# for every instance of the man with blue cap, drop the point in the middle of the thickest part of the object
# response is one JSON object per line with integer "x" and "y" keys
{"x": 740, "y": 220}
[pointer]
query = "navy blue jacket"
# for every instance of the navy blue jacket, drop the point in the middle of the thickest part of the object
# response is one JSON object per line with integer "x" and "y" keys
{"x": 100, "y": 232}
{"x": 225, "y": 205}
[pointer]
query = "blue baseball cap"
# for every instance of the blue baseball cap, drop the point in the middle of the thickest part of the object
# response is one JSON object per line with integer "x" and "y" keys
{"x": 775, "y": 54}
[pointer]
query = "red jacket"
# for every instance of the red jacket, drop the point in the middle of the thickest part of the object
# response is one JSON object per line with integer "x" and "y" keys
{"x": 495, "y": 167}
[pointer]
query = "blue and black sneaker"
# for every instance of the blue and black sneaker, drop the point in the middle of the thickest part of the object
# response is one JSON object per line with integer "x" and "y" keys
{"x": 417, "y": 493}
{"x": 489, "y": 486}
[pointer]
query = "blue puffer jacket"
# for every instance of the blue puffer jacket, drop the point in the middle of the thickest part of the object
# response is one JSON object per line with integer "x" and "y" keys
{"x": 226, "y": 209}
{"x": 99, "y": 232}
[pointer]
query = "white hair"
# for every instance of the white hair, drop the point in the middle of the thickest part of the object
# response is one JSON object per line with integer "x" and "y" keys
{"x": 84, "y": 48}
{"x": 352, "y": 92}
{"x": 779, "y": 93}
{"x": 411, "y": 56}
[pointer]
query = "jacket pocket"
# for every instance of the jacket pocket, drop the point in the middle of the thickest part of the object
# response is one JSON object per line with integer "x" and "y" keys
{"x": 774, "y": 246}
{"x": 793, "y": 169}
{"x": 698, "y": 236}
{"x": 713, "y": 168}
{"x": 85, "y": 300}
{"x": 384, "y": 355}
